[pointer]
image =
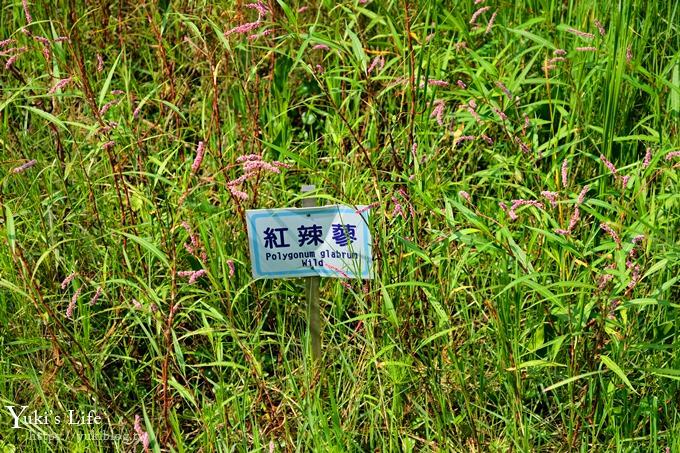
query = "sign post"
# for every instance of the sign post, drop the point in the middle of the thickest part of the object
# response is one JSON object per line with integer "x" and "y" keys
{"x": 312, "y": 293}
{"x": 311, "y": 242}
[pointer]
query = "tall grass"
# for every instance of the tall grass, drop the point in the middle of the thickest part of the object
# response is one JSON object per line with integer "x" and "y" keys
{"x": 480, "y": 332}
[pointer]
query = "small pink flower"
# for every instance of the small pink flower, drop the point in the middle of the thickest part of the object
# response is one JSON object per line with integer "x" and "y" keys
{"x": 245, "y": 28}
{"x": 137, "y": 304}
{"x": 302, "y": 9}
{"x": 580, "y": 33}
{"x": 321, "y": 47}
{"x": 477, "y": 13}
{"x": 68, "y": 279}
{"x": 200, "y": 151}
{"x": 466, "y": 196}
{"x": 24, "y": 167}
{"x": 582, "y": 195}
{"x": 648, "y": 158}
{"x": 29, "y": 19}
{"x": 438, "y": 111}
{"x": 232, "y": 269}
{"x": 10, "y": 61}
{"x": 559, "y": 52}
{"x": 504, "y": 89}
{"x": 638, "y": 239}
{"x": 143, "y": 436}
{"x": 196, "y": 275}
{"x": 600, "y": 28}
{"x": 367, "y": 207}
{"x": 59, "y": 85}
{"x": 461, "y": 84}
{"x": 489, "y": 26}
{"x": 100, "y": 63}
{"x": 72, "y": 305}
{"x": 575, "y": 217}
{"x": 260, "y": 35}
{"x": 629, "y": 55}
{"x": 587, "y": 49}
{"x": 609, "y": 165}
{"x": 434, "y": 82}
{"x": 261, "y": 8}
{"x": 672, "y": 155}
{"x": 378, "y": 62}
{"x": 337, "y": 270}
{"x": 96, "y": 296}
{"x": 6, "y": 42}
{"x": 463, "y": 138}
{"x": 501, "y": 115}
{"x": 611, "y": 233}
{"x": 108, "y": 145}
{"x": 551, "y": 196}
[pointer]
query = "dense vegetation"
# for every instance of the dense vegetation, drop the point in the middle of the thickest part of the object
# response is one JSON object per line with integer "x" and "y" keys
{"x": 521, "y": 160}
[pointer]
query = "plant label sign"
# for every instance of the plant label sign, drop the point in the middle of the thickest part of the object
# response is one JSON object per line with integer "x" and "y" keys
{"x": 328, "y": 241}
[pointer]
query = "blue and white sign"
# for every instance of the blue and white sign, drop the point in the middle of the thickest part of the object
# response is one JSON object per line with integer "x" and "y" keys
{"x": 329, "y": 241}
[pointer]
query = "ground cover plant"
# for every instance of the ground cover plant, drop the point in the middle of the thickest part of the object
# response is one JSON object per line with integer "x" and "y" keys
{"x": 521, "y": 163}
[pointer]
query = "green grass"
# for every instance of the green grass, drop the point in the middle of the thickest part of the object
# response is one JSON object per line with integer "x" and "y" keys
{"x": 478, "y": 333}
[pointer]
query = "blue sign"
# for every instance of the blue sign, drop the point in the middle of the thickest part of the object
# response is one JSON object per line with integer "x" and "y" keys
{"x": 329, "y": 241}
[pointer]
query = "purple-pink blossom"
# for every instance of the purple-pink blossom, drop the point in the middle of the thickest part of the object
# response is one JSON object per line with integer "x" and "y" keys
{"x": 68, "y": 279}
{"x": 321, "y": 47}
{"x": 582, "y": 195}
{"x": 367, "y": 207}
{"x": 232, "y": 269}
{"x": 72, "y": 305}
{"x": 477, "y": 13}
{"x": 600, "y": 27}
{"x": 461, "y": 84}
{"x": 262, "y": 9}
{"x": 24, "y": 167}
{"x": 59, "y": 85}
{"x": 580, "y": 33}
{"x": 378, "y": 62}
{"x": 466, "y": 196}
{"x": 29, "y": 19}
{"x": 609, "y": 165}
{"x": 438, "y": 111}
{"x": 672, "y": 155}
{"x": 611, "y": 233}
{"x": 245, "y": 28}
{"x": 143, "y": 436}
{"x": 200, "y": 151}
{"x": 648, "y": 157}
{"x": 551, "y": 196}
{"x": 96, "y": 296}
{"x": 100, "y": 63}
{"x": 489, "y": 26}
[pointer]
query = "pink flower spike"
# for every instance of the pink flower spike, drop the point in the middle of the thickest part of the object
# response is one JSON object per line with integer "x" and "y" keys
{"x": 504, "y": 89}
{"x": 437, "y": 83}
{"x": 6, "y": 42}
{"x": 575, "y": 217}
{"x": 96, "y": 296}
{"x": 648, "y": 158}
{"x": 196, "y": 275}
{"x": 608, "y": 164}
{"x": 337, "y": 270}
{"x": 378, "y": 62}
{"x": 232, "y": 270}
{"x": 302, "y": 9}
{"x": 200, "y": 151}
{"x": 29, "y": 19}
{"x": 489, "y": 26}
{"x": 24, "y": 167}
{"x": 587, "y": 49}
{"x": 582, "y": 195}
{"x": 580, "y": 33}
{"x": 72, "y": 305}
{"x": 100, "y": 63}
{"x": 466, "y": 196}
{"x": 59, "y": 85}
{"x": 261, "y": 8}
{"x": 367, "y": 207}
{"x": 68, "y": 279}
{"x": 143, "y": 436}
{"x": 551, "y": 196}
{"x": 477, "y": 13}
{"x": 321, "y": 47}
{"x": 562, "y": 232}
{"x": 600, "y": 28}
{"x": 108, "y": 145}
{"x": 559, "y": 52}
{"x": 629, "y": 55}
{"x": 438, "y": 111}
{"x": 565, "y": 169}
{"x": 611, "y": 233}
{"x": 672, "y": 155}
{"x": 11, "y": 61}
{"x": 461, "y": 84}
{"x": 245, "y": 28}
